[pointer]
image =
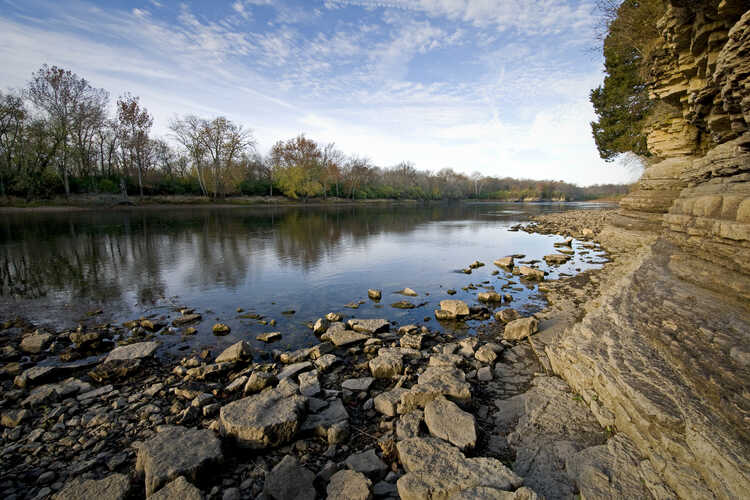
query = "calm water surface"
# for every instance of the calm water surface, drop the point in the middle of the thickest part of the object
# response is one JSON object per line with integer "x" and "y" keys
{"x": 54, "y": 267}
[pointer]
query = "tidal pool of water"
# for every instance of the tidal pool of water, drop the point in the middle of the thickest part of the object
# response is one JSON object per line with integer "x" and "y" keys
{"x": 56, "y": 267}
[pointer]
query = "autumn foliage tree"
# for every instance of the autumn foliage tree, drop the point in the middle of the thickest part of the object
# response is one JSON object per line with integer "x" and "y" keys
{"x": 298, "y": 167}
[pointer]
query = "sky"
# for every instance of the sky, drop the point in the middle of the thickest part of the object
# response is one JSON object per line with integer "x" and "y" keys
{"x": 495, "y": 86}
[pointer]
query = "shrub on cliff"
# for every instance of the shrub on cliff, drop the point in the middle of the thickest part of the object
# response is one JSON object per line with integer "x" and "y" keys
{"x": 621, "y": 103}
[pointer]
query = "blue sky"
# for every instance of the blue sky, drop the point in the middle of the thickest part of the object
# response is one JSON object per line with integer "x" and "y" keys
{"x": 495, "y": 86}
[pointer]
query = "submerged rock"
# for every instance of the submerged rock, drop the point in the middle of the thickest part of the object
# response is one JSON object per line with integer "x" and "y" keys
{"x": 221, "y": 329}
{"x": 374, "y": 294}
{"x": 505, "y": 262}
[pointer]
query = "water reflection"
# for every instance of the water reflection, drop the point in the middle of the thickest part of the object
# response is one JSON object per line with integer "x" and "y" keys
{"x": 311, "y": 259}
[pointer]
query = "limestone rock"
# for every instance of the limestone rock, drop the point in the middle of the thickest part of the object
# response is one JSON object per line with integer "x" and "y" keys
{"x": 258, "y": 381}
{"x": 265, "y": 420}
{"x": 387, "y": 402}
{"x": 386, "y": 366}
{"x": 269, "y": 337}
{"x": 505, "y": 262}
{"x": 138, "y": 350}
{"x": 454, "y": 308}
{"x": 370, "y": 326}
{"x": 320, "y": 326}
{"x": 436, "y": 469}
{"x": 368, "y": 463}
{"x": 408, "y": 292}
{"x": 320, "y": 423}
{"x": 35, "y": 342}
{"x": 112, "y": 487}
{"x": 176, "y": 451}
{"x": 408, "y": 424}
{"x": 179, "y": 489}
{"x": 239, "y": 351}
{"x": 489, "y": 297}
{"x": 486, "y": 354}
{"x": 289, "y": 481}
{"x": 357, "y": 384}
{"x": 531, "y": 274}
{"x": 349, "y": 485}
{"x": 556, "y": 258}
{"x": 374, "y": 294}
{"x": 344, "y": 338}
{"x": 507, "y": 315}
{"x": 521, "y": 328}
{"x": 221, "y": 329}
{"x": 447, "y": 421}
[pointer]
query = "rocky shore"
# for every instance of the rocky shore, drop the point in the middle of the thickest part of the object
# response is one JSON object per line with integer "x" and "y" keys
{"x": 372, "y": 411}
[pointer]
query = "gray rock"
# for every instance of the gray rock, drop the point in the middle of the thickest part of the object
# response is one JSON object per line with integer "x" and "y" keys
{"x": 521, "y": 328}
{"x": 176, "y": 451}
{"x": 326, "y": 361}
{"x": 264, "y": 420}
{"x": 357, "y": 384}
{"x": 484, "y": 374}
{"x": 369, "y": 325}
{"x": 289, "y": 481}
{"x": 367, "y": 463}
{"x": 319, "y": 423}
{"x": 258, "y": 381}
{"x": 343, "y": 338}
{"x": 436, "y": 469}
{"x": 138, "y": 350}
{"x": 387, "y": 402}
{"x": 112, "y": 487}
{"x": 34, "y": 375}
{"x": 447, "y": 421}
{"x": 238, "y": 351}
{"x": 349, "y": 485}
{"x": 309, "y": 385}
{"x": 294, "y": 369}
{"x": 179, "y": 489}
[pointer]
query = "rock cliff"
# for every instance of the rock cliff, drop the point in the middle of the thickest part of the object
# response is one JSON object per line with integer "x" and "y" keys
{"x": 663, "y": 355}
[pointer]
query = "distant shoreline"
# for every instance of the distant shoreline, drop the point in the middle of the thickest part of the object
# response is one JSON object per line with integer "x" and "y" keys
{"x": 83, "y": 203}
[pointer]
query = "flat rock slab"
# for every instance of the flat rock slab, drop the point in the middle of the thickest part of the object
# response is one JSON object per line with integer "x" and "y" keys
{"x": 349, "y": 485}
{"x": 263, "y": 420}
{"x": 294, "y": 369}
{"x": 138, "y": 350}
{"x": 455, "y": 308}
{"x": 436, "y": 469}
{"x": 343, "y": 338}
{"x": 369, "y": 325}
{"x": 236, "y": 352}
{"x": 320, "y": 422}
{"x": 179, "y": 489}
{"x": 488, "y": 493}
{"x": 113, "y": 487}
{"x": 368, "y": 463}
{"x": 289, "y": 481}
{"x": 357, "y": 384}
{"x": 447, "y": 421}
{"x": 176, "y": 451}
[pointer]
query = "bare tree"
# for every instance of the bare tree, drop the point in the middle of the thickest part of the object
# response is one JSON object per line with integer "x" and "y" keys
{"x": 12, "y": 117}
{"x": 135, "y": 124}
{"x": 225, "y": 142}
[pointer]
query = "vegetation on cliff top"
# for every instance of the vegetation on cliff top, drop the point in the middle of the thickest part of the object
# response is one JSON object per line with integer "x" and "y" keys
{"x": 621, "y": 103}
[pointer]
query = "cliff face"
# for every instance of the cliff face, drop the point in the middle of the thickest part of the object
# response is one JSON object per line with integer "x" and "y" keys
{"x": 697, "y": 192}
{"x": 664, "y": 355}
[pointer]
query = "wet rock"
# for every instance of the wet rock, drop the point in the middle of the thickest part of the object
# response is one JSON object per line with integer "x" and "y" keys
{"x": 269, "y": 337}
{"x": 369, "y": 325}
{"x": 489, "y": 297}
{"x": 556, "y": 258}
{"x": 505, "y": 262}
{"x": 454, "y": 308}
{"x": 221, "y": 329}
{"x": 386, "y": 366}
{"x": 35, "y": 342}
{"x": 289, "y": 481}
{"x": 374, "y": 294}
{"x": 408, "y": 292}
{"x": 521, "y": 328}
{"x": 368, "y": 463}
{"x": 403, "y": 304}
{"x": 186, "y": 319}
{"x": 258, "y": 381}
{"x": 333, "y": 317}
{"x": 264, "y": 420}
{"x": 349, "y": 485}
{"x": 176, "y": 451}
{"x": 239, "y": 351}
{"x": 320, "y": 326}
{"x": 138, "y": 350}
{"x": 113, "y": 487}
{"x": 115, "y": 369}
{"x": 179, "y": 489}
{"x": 531, "y": 274}
{"x": 507, "y": 315}
{"x": 476, "y": 264}
{"x": 83, "y": 339}
{"x": 436, "y": 469}
{"x": 447, "y": 421}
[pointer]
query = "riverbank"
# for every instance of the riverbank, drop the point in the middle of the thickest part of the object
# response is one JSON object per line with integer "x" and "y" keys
{"x": 115, "y": 202}
{"x": 370, "y": 410}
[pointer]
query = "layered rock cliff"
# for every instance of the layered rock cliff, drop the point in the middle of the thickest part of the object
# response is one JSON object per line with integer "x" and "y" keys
{"x": 663, "y": 355}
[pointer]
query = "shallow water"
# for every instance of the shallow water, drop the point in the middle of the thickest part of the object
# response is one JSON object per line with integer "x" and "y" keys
{"x": 54, "y": 267}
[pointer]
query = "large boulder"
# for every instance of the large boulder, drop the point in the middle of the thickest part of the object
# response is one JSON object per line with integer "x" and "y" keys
{"x": 521, "y": 328}
{"x": 436, "y": 469}
{"x": 138, "y": 350}
{"x": 289, "y": 481}
{"x": 263, "y": 420}
{"x": 112, "y": 487}
{"x": 349, "y": 485}
{"x": 176, "y": 451}
{"x": 447, "y": 421}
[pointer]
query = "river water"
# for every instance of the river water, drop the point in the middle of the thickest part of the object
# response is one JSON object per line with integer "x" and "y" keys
{"x": 57, "y": 268}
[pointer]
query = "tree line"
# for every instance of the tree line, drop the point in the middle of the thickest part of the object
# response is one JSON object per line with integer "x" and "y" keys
{"x": 58, "y": 136}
